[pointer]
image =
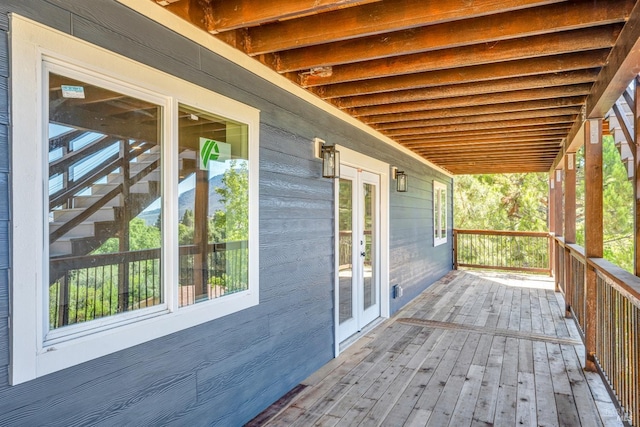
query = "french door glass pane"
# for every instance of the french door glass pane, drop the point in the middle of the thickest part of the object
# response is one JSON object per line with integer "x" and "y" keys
{"x": 104, "y": 202}
{"x": 369, "y": 220}
{"x": 345, "y": 272}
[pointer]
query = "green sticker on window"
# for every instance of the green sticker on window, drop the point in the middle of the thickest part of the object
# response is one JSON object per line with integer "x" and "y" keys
{"x": 212, "y": 150}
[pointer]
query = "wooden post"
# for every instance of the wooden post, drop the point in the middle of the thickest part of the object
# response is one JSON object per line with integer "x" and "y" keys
{"x": 593, "y": 230}
{"x": 557, "y": 193}
{"x": 455, "y": 250}
{"x": 123, "y": 232}
{"x": 636, "y": 180}
{"x": 569, "y": 225}
{"x": 201, "y": 235}
{"x": 551, "y": 219}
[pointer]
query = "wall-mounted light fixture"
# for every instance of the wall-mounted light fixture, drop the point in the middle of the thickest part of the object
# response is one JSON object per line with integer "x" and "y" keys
{"x": 330, "y": 159}
{"x": 401, "y": 180}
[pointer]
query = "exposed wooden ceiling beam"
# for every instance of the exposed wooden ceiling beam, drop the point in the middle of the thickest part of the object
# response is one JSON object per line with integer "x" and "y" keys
{"x": 484, "y": 53}
{"x": 551, "y": 136}
{"x": 497, "y": 167}
{"x": 225, "y": 15}
{"x": 476, "y": 126}
{"x": 621, "y": 68}
{"x": 537, "y": 104}
{"x": 468, "y": 89}
{"x": 544, "y": 155}
{"x": 376, "y": 18}
{"x": 486, "y": 29}
{"x": 514, "y": 132}
{"x": 477, "y": 73}
{"x": 485, "y": 118}
{"x": 515, "y": 147}
{"x": 476, "y": 100}
{"x": 522, "y": 165}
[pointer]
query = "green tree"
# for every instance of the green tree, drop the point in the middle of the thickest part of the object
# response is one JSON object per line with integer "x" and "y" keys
{"x": 501, "y": 202}
{"x": 234, "y": 195}
{"x": 617, "y": 201}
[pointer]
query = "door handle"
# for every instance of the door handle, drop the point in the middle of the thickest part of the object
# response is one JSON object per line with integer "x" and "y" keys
{"x": 363, "y": 254}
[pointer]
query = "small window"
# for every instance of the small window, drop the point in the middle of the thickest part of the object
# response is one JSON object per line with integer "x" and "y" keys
{"x": 439, "y": 213}
{"x": 135, "y": 203}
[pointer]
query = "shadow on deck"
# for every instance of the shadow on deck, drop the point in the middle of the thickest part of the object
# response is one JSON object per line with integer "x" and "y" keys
{"x": 475, "y": 349}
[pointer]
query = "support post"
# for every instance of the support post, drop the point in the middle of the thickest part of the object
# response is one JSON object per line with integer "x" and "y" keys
{"x": 551, "y": 219}
{"x": 201, "y": 236}
{"x": 557, "y": 230}
{"x": 593, "y": 231}
{"x": 569, "y": 225}
{"x": 636, "y": 180}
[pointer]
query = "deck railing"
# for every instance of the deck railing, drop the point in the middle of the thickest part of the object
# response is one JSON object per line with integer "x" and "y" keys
{"x": 503, "y": 250}
{"x": 614, "y": 312}
{"x": 615, "y": 316}
{"x": 88, "y": 287}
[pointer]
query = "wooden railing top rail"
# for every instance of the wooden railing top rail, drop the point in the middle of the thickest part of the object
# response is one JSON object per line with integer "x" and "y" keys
{"x": 504, "y": 233}
{"x": 576, "y": 250}
{"x": 621, "y": 280}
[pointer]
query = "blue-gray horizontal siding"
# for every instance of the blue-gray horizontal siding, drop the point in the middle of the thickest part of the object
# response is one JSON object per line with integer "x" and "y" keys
{"x": 226, "y": 371}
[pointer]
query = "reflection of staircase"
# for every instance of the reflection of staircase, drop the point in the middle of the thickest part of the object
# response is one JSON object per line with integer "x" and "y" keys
{"x": 89, "y": 217}
{"x": 621, "y": 127}
{"x": 89, "y": 210}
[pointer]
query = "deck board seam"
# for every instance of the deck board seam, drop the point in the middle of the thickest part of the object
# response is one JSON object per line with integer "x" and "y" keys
{"x": 489, "y": 331}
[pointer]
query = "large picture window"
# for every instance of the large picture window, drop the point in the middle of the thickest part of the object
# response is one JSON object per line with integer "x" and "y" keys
{"x": 439, "y": 213}
{"x": 143, "y": 189}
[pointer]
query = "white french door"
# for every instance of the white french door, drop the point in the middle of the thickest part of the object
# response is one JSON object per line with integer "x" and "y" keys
{"x": 359, "y": 250}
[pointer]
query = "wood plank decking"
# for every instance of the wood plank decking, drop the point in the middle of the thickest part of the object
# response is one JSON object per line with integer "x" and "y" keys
{"x": 475, "y": 349}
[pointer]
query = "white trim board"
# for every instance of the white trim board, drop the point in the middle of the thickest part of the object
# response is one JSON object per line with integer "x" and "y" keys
{"x": 167, "y": 19}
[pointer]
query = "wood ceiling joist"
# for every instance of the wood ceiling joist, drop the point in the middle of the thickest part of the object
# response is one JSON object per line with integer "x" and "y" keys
{"x": 511, "y": 168}
{"x": 537, "y": 104}
{"x": 225, "y": 15}
{"x": 485, "y": 118}
{"x": 499, "y": 166}
{"x": 621, "y": 68}
{"x": 487, "y": 133}
{"x": 489, "y": 149}
{"x": 486, "y": 29}
{"x": 447, "y": 104}
{"x": 538, "y": 158}
{"x": 477, "y": 73}
{"x": 375, "y": 18}
{"x": 524, "y": 164}
{"x": 484, "y": 53}
{"x": 476, "y": 142}
{"x": 476, "y": 126}
{"x": 469, "y": 89}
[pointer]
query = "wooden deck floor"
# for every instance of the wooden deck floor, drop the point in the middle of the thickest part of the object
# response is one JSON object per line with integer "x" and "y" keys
{"x": 475, "y": 349}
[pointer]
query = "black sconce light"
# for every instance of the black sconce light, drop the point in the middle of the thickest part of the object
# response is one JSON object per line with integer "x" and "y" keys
{"x": 330, "y": 160}
{"x": 401, "y": 180}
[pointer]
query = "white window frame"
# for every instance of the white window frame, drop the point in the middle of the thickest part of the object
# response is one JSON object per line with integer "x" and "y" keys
{"x": 35, "y": 351}
{"x": 438, "y": 238}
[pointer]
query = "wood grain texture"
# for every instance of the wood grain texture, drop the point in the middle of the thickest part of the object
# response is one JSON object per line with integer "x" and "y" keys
{"x": 459, "y": 375}
{"x": 227, "y": 371}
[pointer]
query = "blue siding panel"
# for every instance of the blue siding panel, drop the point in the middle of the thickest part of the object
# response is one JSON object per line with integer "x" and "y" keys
{"x": 226, "y": 371}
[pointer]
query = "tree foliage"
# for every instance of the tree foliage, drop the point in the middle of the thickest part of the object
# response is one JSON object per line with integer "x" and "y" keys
{"x": 520, "y": 202}
{"x": 617, "y": 200}
{"x": 501, "y": 202}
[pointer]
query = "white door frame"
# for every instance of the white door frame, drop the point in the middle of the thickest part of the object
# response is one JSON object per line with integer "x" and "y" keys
{"x": 353, "y": 158}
